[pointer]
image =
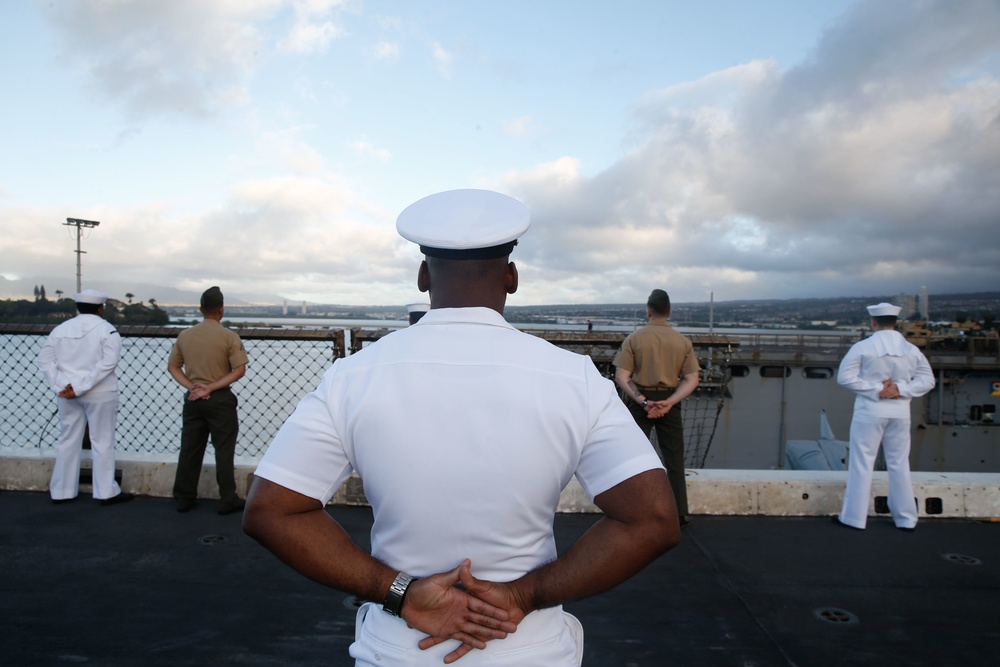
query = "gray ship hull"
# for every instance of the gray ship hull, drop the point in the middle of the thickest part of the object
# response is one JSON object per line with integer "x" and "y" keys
{"x": 779, "y": 386}
{"x": 760, "y": 391}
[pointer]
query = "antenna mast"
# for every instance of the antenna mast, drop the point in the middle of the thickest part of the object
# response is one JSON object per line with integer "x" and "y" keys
{"x": 80, "y": 226}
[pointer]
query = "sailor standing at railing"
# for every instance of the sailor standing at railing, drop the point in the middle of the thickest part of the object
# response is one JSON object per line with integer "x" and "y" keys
{"x": 885, "y": 371}
{"x": 79, "y": 360}
{"x": 465, "y": 431}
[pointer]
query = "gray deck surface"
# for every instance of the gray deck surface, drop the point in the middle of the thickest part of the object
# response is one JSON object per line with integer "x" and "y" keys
{"x": 140, "y": 584}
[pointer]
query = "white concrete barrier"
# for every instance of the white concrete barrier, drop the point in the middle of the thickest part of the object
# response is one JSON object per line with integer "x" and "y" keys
{"x": 710, "y": 491}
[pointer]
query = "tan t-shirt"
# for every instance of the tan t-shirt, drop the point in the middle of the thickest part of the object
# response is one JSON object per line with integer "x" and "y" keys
{"x": 657, "y": 355}
{"x": 207, "y": 351}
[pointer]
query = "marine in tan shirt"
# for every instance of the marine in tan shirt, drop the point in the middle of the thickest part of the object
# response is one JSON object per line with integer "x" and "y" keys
{"x": 206, "y": 359}
{"x": 656, "y": 369}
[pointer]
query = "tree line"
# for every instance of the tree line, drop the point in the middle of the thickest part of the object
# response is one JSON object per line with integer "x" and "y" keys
{"x": 43, "y": 310}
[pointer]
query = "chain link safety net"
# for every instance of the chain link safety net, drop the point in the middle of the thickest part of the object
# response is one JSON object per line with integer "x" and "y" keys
{"x": 284, "y": 366}
{"x": 703, "y": 407}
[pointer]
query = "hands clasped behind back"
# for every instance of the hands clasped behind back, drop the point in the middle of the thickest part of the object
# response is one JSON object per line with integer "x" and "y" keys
{"x": 473, "y": 614}
{"x": 889, "y": 390}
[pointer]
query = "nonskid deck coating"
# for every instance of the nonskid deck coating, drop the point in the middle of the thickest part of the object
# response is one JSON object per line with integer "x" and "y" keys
{"x": 140, "y": 584}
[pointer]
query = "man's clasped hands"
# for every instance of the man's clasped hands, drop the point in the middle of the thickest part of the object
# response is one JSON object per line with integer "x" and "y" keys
{"x": 656, "y": 409}
{"x": 456, "y": 605}
{"x": 889, "y": 390}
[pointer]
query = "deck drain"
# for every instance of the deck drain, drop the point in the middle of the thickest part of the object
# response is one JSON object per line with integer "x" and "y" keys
{"x": 962, "y": 560}
{"x": 835, "y": 616}
{"x": 212, "y": 539}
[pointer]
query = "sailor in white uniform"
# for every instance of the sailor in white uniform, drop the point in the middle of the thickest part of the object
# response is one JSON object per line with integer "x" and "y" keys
{"x": 464, "y": 430}
{"x": 885, "y": 371}
{"x": 415, "y": 311}
{"x": 78, "y": 361}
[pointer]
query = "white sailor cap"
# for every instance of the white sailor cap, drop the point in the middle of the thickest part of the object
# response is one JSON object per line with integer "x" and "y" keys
{"x": 418, "y": 307}
{"x": 91, "y": 296}
{"x": 464, "y": 224}
{"x": 883, "y": 309}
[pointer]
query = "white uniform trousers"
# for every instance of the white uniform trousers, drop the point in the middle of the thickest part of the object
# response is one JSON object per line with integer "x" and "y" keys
{"x": 894, "y": 436}
{"x": 546, "y": 638}
{"x": 100, "y": 410}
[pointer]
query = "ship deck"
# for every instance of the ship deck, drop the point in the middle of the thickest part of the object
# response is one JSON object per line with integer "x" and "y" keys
{"x": 141, "y": 584}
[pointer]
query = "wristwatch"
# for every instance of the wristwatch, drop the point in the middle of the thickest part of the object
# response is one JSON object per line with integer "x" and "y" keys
{"x": 397, "y": 591}
{"x": 643, "y": 404}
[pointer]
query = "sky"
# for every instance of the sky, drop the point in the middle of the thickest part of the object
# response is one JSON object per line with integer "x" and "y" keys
{"x": 741, "y": 149}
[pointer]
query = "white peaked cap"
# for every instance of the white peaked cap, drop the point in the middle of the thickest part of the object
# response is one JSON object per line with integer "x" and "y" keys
{"x": 883, "y": 309}
{"x": 91, "y": 296}
{"x": 418, "y": 307}
{"x": 464, "y": 224}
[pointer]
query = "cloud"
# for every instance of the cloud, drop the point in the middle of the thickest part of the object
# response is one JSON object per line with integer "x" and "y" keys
{"x": 365, "y": 148}
{"x": 385, "y": 50}
{"x": 518, "y": 127}
{"x": 312, "y": 33}
{"x": 284, "y": 147}
{"x": 871, "y": 167}
{"x": 183, "y": 57}
{"x": 307, "y": 37}
{"x": 443, "y": 59}
{"x": 304, "y": 237}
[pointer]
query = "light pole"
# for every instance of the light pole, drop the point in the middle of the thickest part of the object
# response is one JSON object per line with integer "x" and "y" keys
{"x": 80, "y": 225}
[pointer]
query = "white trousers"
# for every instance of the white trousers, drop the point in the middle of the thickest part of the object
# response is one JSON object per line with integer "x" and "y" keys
{"x": 866, "y": 435}
{"x": 546, "y": 638}
{"x": 100, "y": 410}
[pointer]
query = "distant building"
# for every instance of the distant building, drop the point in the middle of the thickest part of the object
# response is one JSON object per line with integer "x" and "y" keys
{"x": 908, "y": 303}
{"x": 304, "y": 308}
{"x": 284, "y": 307}
{"x": 924, "y": 304}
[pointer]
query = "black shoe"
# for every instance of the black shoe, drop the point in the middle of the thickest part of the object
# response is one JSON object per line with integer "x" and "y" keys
{"x": 122, "y": 497}
{"x": 60, "y": 501}
{"x": 836, "y": 519}
{"x": 232, "y": 509}
{"x": 185, "y": 505}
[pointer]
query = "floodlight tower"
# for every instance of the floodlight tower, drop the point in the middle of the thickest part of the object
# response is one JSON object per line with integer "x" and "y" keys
{"x": 80, "y": 226}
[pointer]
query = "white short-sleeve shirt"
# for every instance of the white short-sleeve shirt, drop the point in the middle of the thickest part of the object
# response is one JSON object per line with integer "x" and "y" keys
{"x": 464, "y": 431}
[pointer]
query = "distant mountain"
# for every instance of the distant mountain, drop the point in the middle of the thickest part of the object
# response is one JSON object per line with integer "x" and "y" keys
{"x": 845, "y": 308}
{"x": 165, "y": 296}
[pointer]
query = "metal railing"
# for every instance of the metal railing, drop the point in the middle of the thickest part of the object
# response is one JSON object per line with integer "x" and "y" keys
{"x": 600, "y": 346}
{"x": 284, "y": 366}
{"x": 942, "y": 351}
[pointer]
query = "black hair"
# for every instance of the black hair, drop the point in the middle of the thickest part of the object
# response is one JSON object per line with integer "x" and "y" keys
{"x": 88, "y": 308}
{"x": 659, "y": 302}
